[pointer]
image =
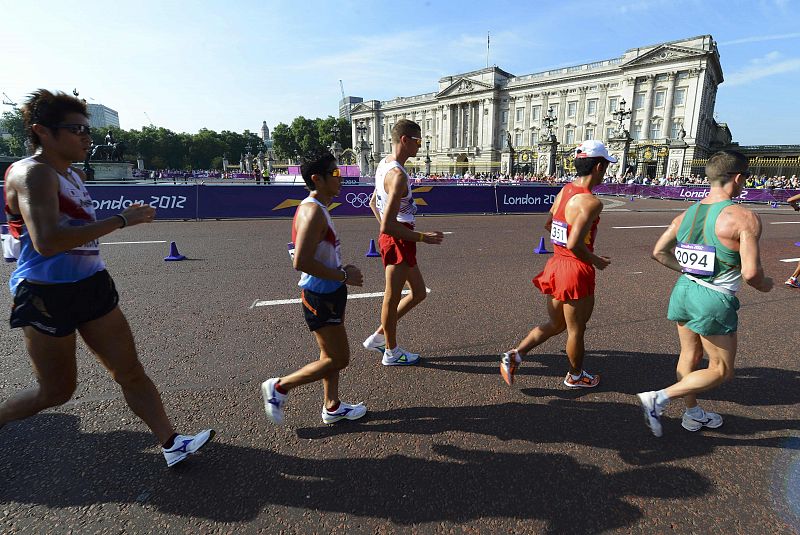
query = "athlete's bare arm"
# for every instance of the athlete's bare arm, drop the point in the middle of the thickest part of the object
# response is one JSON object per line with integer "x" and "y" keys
{"x": 749, "y": 231}
{"x": 548, "y": 226}
{"x": 373, "y": 205}
{"x": 582, "y": 210}
{"x": 33, "y": 193}
{"x": 794, "y": 202}
{"x": 396, "y": 185}
{"x": 664, "y": 250}
{"x": 311, "y": 227}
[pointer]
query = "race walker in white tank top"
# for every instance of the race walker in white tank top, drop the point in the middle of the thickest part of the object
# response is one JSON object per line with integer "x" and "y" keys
{"x": 407, "y": 207}
{"x": 328, "y": 253}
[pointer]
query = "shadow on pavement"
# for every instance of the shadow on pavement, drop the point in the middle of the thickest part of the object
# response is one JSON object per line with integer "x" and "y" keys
{"x": 621, "y": 371}
{"x": 47, "y": 461}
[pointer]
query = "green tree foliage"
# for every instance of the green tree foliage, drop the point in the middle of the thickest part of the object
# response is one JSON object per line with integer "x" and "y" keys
{"x": 11, "y": 122}
{"x": 161, "y": 148}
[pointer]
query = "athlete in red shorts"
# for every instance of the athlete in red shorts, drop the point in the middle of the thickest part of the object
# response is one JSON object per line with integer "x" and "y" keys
{"x": 394, "y": 209}
{"x": 568, "y": 277}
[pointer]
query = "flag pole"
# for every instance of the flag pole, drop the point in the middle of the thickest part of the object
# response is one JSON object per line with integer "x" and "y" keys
{"x": 487, "y": 49}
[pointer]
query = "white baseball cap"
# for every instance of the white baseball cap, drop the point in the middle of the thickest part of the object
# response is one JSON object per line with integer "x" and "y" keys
{"x": 591, "y": 148}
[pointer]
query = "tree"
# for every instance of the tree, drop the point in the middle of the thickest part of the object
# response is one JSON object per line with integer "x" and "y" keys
{"x": 283, "y": 142}
{"x": 12, "y": 122}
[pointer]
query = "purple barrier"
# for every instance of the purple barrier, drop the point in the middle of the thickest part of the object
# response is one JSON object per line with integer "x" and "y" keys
{"x": 524, "y": 199}
{"x": 691, "y": 192}
{"x": 281, "y": 201}
{"x": 170, "y": 202}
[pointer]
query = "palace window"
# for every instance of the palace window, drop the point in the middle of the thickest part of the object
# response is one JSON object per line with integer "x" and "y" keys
{"x": 638, "y": 100}
{"x": 555, "y": 109}
{"x": 572, "y": 109}
{"x": 661, "y": 96}
{"x": 534, "y": 138}
{"x": 655, "y": 130}
{"x": 428, "y": 125}
{"x": 517, "y": 139}
{"x": 680, "y": 96}
{"x": 636, "y": 132}
{"x": 518, "y": 116}
{"x": 569, "y": 136}
{"x": 504, "y": 117}
{"x": 613, "y": 104}
{"x": 589, "y": 133}
{"x": 675, "y": 130}
{"x": 591, "y": 107}
{"x": 536, "y": 113}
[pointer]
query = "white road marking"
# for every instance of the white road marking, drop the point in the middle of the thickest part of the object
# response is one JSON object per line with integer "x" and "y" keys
{"x": 258, "y": 303}
{"x": 646, "y": 226}
{"x": 785, "y": 223}
{"x": 123, "y": 242}
{"x": 636, "y": 272}
{"x": 446, "y": 232}
{"x": 790, "y": 260}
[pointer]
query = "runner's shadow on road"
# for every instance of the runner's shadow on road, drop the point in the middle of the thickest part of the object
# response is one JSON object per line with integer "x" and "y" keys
{"x": 47, "y": 461}
{"x": 630, "y": 372}
{"x": 611, "y": 426}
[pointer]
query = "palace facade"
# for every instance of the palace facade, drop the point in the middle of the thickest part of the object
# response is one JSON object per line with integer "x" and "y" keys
{"x": 669, "y": 89}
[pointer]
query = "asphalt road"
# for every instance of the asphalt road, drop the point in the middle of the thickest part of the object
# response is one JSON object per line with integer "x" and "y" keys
{"x": 447, "y": 447}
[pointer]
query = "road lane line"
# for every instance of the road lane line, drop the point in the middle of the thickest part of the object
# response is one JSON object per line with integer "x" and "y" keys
{"x": 295, "y": 301}
{"x": 124, "y": 242}
{"x": 785, "y": 223}
{"x": 646, "y": 226}
{"x": 790, "y": 260}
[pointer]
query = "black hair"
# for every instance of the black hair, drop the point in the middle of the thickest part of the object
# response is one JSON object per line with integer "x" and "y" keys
{"x": 584, "y": 166}
{"x": 316, "y": 165}
{"x": 48, "y": 109}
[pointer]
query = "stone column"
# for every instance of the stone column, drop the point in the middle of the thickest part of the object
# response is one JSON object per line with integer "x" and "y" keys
{"x": 481, "y": 135}
{"x": 602, "y": 102}
{"x": 671, "y": 77}
{"x": 562, "y": 112}
{"x": 526, "y": 118}
{"x": 649, "y": 97}
{"x": 580, "y": 116}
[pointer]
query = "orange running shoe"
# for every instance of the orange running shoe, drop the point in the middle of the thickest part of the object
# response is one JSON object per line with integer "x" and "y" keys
{"x": 584, "y": 380}
{"x": 509, "y": 364}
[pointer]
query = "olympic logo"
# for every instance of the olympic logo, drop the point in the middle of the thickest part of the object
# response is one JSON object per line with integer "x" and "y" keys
{"x": 358, "y": 200}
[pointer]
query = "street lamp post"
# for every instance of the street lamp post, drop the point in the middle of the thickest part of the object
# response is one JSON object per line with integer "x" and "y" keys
{"x": 427, "y": 156}
{"x": 623, "y": 137}
{"x": 371, "y": 160}
{"x": 551, "y": 143}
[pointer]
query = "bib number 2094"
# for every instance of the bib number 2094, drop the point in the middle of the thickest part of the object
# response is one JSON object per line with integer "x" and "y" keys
{"x": 695, "y": 258}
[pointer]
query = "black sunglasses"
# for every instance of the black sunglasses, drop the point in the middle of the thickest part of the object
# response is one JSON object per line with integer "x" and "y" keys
{"x": 77, "y": 129}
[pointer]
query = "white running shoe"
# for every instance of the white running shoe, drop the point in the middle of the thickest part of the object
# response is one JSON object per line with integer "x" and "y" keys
{"x": 273, "y": 400}
{"x": 399, "y": 357}
{"x": 652, "y": 416}
{"x": 344, "y": 412}
{"x": 712, "y": 420}
{"x": 375, "y": 342}
{"x": 185, "y": 445}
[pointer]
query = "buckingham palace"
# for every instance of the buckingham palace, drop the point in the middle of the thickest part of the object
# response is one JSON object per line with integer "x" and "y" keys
{"x": 655, "y": 101}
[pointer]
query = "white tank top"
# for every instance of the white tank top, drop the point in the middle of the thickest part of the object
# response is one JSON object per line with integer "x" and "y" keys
{"x": 328, "y": 253}
{"x": 407, "y": 207}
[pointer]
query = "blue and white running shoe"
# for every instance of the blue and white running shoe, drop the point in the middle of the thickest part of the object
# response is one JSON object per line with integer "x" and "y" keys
{"x": 273, "y": 400}
{"x": 344, "y": 412}
{"x": 185, "y": 445}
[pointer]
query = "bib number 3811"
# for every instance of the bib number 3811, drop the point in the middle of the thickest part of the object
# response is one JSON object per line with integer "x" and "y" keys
{"x": 695, "y": 258}
{"x": 558, "y": 233}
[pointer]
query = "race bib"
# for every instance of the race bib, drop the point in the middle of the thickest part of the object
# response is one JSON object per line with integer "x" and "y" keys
{"x": 290, "y": 245}
{"x": 558, "y": 233}
{"x": 695, "y": 258}
{"x": 91, "y": 248}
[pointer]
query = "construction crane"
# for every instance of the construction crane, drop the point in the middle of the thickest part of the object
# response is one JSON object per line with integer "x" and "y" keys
{"x": 346, "y": 105}
{"x": 7, "y": 101}
{"x": 149, "y": 120}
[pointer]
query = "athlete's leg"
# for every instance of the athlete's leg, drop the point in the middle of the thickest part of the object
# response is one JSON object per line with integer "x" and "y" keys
{"x": 577, "y": 313}
{"x": 53, "y": 363}
{"x": 110, "y": 339}
{"x": 334, "y": 355}
{"x": 691, "y": 353}
{"x": 539, "y": 334}
{"x": 721, "y": 351}
{"x": 417, "y": 294}
{"x": 396, "y": 277}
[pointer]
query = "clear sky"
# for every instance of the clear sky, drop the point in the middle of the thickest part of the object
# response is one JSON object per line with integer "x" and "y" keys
{"x": 230, "y": 65}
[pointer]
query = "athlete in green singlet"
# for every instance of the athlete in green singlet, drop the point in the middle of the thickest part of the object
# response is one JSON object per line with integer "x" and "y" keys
{"x": 714, "y": 244}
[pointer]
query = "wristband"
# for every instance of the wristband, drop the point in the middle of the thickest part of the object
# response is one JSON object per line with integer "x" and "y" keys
{"x": 344, "y": 272}
{"x": 124, "y": 220}
{"x": 421, "y": 236}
